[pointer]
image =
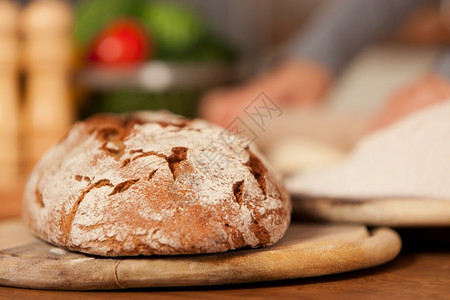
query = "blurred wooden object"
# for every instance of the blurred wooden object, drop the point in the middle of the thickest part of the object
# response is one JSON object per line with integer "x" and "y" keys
{"x": 11, "y": 199}
{"x": 9, "y": 97}
{"x": 46, "y": 27}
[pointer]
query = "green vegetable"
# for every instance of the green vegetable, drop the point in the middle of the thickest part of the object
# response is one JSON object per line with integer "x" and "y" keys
{"x": 177, "y": 32}
{"x": 174, "y": 28}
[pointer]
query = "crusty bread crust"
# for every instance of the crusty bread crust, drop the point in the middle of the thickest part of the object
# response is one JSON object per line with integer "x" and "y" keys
{"x": 154, "y": 183}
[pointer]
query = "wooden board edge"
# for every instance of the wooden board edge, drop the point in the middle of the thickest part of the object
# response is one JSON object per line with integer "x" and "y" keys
{"x": 381, "y": 246}
{"x": 393, "y": 212}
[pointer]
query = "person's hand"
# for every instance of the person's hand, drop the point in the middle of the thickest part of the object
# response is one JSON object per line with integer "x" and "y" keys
{"x": 293, "y": 83}
{"x": 428, "y": 90}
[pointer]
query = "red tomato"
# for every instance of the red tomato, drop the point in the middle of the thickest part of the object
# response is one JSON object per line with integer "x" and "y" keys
{"x": 122, "y": 42}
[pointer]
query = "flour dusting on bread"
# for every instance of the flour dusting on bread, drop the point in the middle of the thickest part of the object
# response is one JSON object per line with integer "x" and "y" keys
{"x": 154, "y": 183}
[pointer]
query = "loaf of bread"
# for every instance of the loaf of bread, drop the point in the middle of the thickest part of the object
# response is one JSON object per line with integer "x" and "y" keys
{"x": 154, "y": 183}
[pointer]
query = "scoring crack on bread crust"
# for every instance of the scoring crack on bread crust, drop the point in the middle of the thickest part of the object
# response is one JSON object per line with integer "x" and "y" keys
{"x": 151, "y": 174}
{"x": 178, "y": 155}
{"x": 68, "y": 219}
{"x": 123, "y": 186}
{"x": 149, "y": 153}
{"x": 180, "y": 125}
{"x": 113, "y": 131}
{"x": 257, "y": 169}
{"x": 133, "y": 151}
{"x": 39, "y": 198}
{"x": 125, "y": 162}
{"x": 238, "y": 188}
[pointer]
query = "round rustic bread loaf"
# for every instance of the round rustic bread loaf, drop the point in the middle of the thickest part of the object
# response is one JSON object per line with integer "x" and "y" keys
{"x": 154, "y": 183}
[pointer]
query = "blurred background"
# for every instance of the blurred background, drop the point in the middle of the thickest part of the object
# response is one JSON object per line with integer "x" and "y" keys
{"x": 61, "y": 61}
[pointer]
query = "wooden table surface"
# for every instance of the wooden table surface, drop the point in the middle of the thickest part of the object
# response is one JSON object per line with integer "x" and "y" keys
{"x": 421, "y": 271}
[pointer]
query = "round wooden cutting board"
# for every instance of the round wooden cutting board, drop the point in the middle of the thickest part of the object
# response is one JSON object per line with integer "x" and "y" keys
{"x": 395, "y": 212}
{"x": 306, "y": 250}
